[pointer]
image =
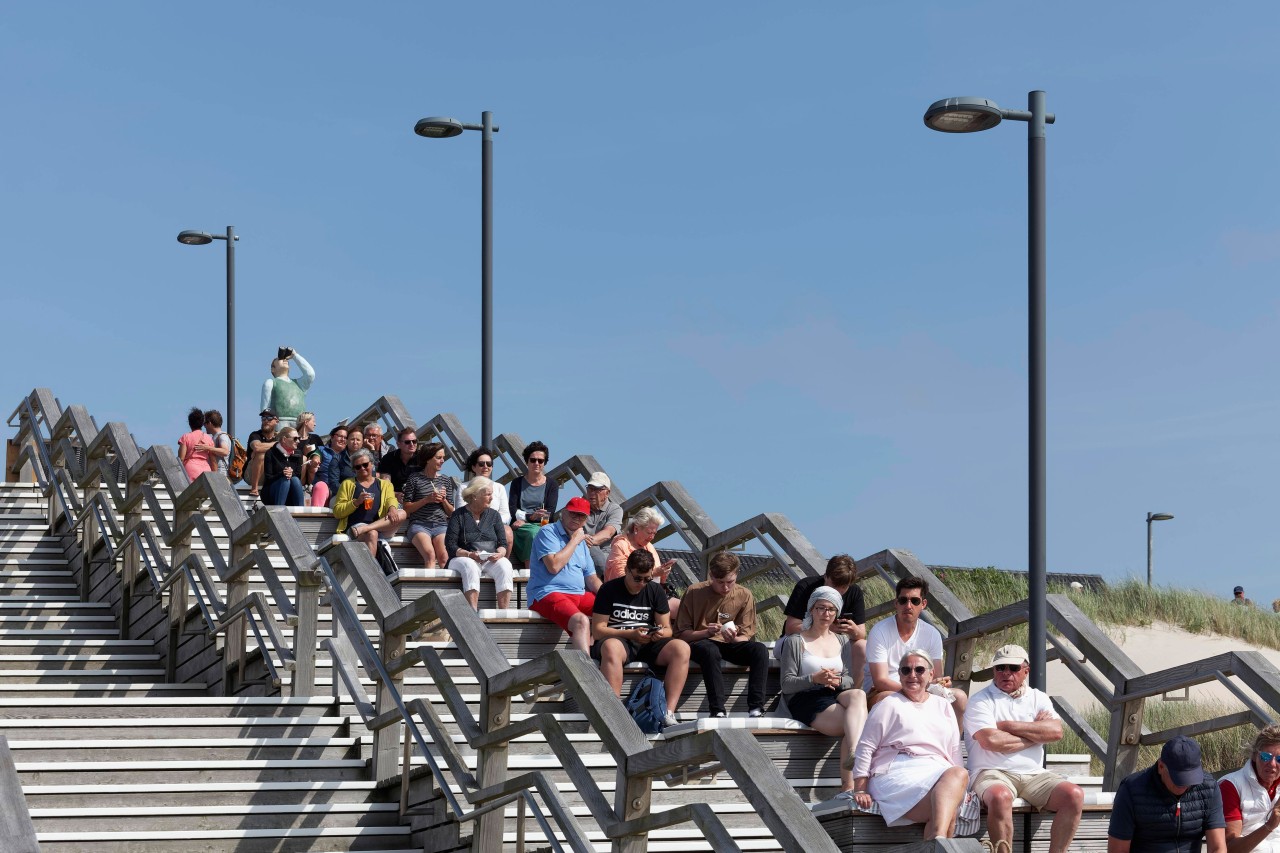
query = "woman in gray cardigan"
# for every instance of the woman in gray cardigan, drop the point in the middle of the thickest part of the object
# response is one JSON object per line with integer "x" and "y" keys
{"x": 816, "y": 682}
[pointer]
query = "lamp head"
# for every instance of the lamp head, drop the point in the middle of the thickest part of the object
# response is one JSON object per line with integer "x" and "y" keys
{"x": 195, "y": 238}
{"x": 962, "y": 115}
{"x": 1158, "y": 516}
{"x": 438, "y": 127}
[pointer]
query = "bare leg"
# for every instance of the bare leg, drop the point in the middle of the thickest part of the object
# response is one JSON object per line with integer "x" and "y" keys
{"x": 675, "y": 657}
{"x": 504, "y": 599}
{"x": 999, "y": 802}
{"x": 854, "y": 704}
{"x": 831, "y": 721}
{"x": 255, "y": 470}
{"x": 857, "y": 660}
{"x": 1068, "y": 801}
{"x": 510, "y": 539}
{"x": 473, "y": 598}
{"x": 613, "y": 656}
{"x": 946, "y": 796}
{"x": 369, "y": 537}
{"x": 422, "y": 542}
{"x": 962, "y": 702}
{"x": 580, "y": 635}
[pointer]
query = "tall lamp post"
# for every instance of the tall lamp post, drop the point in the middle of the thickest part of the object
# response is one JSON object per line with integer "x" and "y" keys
{"x": 1151, "y": 517}
{"x": 967, "y": 115}
{"x": 200, "y": 238}
{"x": 439, "y": 127}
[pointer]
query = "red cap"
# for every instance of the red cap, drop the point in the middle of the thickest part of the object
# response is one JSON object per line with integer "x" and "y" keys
{"x": 578, "y": 505}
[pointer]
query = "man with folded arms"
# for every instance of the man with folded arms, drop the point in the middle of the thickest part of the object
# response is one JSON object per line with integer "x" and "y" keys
{"x": 717, "y": 618}
{"x": 1008, "y": 724}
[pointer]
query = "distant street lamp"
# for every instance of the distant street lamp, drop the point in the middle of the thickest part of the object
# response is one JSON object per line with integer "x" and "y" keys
{"x": 968, "y": 115}
{"x": 200, "y": 238}
{"x": 439, "y": 127}
{"x": 1153, "y": 516}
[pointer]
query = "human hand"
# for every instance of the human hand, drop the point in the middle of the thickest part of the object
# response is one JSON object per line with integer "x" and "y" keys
{"x": 287, "y": 472}
{"x": 943, "y": 680}
{"x": 640, "y": 634}
{"x": 1045, "y": 715}
{"x": 844, "y": 626}
{"x": 863, "y": 799}
{"x": 729, "y": 630}
{"x": 1273, "y": 818}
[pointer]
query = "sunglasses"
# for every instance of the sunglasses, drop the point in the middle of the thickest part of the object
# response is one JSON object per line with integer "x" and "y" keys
{"x": 537, "y": 461}
{"x": 483, "y": 464}
{"x": 1268, "y": 757}
{"x": 409, "y": 441}
{"x": 362, "y": 466}
{"x": 912, "y": 600}
{"x": 907, "y": 670}
{"x": 644, "y": 577}
{"x": 1007, "y": 667}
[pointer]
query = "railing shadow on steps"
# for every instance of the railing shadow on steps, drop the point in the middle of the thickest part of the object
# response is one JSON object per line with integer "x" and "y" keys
{"x": 787, "y": 816}
{"x": 1111, "y": 676}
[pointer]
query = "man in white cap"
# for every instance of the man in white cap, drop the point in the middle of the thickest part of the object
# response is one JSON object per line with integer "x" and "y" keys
{"x": 1007, "y": 724}
{"x": 604, "y": 521}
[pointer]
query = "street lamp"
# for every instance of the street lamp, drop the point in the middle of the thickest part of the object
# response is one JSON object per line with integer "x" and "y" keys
{"x": 200, "y": 238}
{"x": 1153, "y": 516}
{"x": 439, "y": 127}
{"x": 968, "y": 115}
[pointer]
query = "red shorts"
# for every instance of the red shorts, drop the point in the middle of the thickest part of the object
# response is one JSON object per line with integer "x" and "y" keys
{"x": 559, "y": 607}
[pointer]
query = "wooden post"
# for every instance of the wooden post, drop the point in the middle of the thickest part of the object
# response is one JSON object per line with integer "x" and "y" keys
{"x": 132, "y": 564}
{"x": 1122, "y": 743}
{"x": 386, "y": 741}
{"x": 177, "y": 618}
{"x": 491, "y": 769}
{"x": 303, "y": 682}
{"x": 633, "y": 799}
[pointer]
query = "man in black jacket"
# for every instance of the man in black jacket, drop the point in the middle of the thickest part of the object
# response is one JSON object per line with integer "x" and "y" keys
{"x": 1169, "y": 807}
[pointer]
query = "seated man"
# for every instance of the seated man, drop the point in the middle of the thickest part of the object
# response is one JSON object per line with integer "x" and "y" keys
{"x": 852, "y": 619}
{"x": 1250, "y": 799}
{"x": 632, "y": 622}
{"x": 718, "y": 620}
{"x": 890, "y": 639}
{"x": 604, "y": 520}
{"x": 562, "y": 579}
{"x": 260, "y": 441}
{"x": 1008, "y": 724}
{"x": 397, "y": 465}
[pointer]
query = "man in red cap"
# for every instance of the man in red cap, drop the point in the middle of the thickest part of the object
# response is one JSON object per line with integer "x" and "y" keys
{"x": 562, "y": 577}
{"x": 1169, "y": 807}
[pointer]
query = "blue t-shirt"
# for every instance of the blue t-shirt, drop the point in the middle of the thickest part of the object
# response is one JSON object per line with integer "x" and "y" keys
{"x": 572, "y": 579}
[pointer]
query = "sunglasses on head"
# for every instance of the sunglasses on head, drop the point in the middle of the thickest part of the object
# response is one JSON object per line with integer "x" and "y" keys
{"x": 1268, "y": 757}
{"x": 907, "y": 670}
{"x": 913, "y": 600}
{"x": 1008, "y": 667}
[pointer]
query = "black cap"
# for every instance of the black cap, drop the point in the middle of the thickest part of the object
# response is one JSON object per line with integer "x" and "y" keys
{"x": 1237, "y": 590}
{"x": 1181, "y": 757}
{"x": 268, "y": 413}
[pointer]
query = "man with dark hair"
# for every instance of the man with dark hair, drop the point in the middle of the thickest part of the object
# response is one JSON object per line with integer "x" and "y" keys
{"x": 1170, "y": 806}
{"x": 260, "y": 441}
{"x": 852, "y": 619}
{"x": 631, "y": 621}
{"x": 397, "y": 466}
{"x": 717, "y": 618}
{"x": 890, "y": 639}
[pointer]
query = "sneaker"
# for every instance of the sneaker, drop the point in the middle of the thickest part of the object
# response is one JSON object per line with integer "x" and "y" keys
{"x": 671, "y": 719}
{"x": 718, "y": 715}
{"x": 756, "y": 712}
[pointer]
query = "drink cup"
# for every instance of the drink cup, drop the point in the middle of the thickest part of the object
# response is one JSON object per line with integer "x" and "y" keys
{"x": 368, "y": 501}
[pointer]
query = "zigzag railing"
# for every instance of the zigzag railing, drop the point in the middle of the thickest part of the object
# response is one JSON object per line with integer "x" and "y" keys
{"x": 490, "y": 788}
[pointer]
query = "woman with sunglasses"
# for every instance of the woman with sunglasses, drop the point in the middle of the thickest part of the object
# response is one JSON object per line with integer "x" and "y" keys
{"x": 430, "y": 498}
{"x": 908, "y": 760}
{"x": 365, "y": 506}
{"x": 282, "y": 472}
{"x": 480, "y": 464}
{"x": 816, "y": 683}
{"x": 319, "y": 476}
{"x": 533, "y": 501}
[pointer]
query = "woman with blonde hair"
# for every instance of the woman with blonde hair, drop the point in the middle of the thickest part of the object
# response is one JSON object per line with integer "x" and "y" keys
{"x": 476, "y": 543}
{"x": 637, "y": 535}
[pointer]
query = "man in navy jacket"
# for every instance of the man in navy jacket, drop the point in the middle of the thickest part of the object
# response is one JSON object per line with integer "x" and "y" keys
{"x": 1169, "y": 807}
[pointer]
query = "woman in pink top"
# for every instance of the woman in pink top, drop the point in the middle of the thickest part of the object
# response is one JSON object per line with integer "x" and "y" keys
{"x": 638, "y": 535}
{"x": 908, "y": 760}
{"x": 194, "y": 446}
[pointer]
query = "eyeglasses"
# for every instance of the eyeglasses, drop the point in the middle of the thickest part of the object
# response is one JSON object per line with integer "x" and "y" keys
{"x": 824, "y": 609}
{"x": 537, "y": 461}
{"x": 907, "y": 670}
{"x": 1007, "y": 667}
{"x": 484, "y": 464}
{"x": 409, "y": 441}
{"x": 1268, "y": 757}
{"x": 644, "y": 577}
{"x": 362, "y": 466}
{"x": 912, "y": 600}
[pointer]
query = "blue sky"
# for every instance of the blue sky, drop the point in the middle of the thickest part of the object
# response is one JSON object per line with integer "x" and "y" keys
{"x": 727, "y": 250}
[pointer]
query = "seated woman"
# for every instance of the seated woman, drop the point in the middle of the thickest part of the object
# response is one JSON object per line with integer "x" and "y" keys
{"x": 637, "y": 534}
{"x": 533, "y": 501}
{"x": 365, "y": 506}
{"x": 908, "y": 759}
{"x": 475, "y": 542}
{"x": 430, "y": 498}
{"x": 321, "y": 490}
{"x": 816, "y": 682}
{"x": 282, "y": 472}
{"x": 480, "y": 464}
{"x": 194, "y": 446}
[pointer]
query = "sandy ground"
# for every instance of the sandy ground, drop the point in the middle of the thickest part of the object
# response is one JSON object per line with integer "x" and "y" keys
{"x": 1155, "y": 648}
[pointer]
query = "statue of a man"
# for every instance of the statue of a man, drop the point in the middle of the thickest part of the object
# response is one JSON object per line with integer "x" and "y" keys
{"x": 282, "y": 395}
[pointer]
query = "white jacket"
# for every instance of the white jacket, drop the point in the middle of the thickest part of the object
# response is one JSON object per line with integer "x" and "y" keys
{"x": 1255, "y": 805}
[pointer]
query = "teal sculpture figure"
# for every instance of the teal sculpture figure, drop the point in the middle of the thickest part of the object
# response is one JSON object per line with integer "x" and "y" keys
{"x": 282, "y": 395}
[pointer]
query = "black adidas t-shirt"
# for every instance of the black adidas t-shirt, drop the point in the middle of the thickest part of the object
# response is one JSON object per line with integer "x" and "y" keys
{"x": 625, "y": 610}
